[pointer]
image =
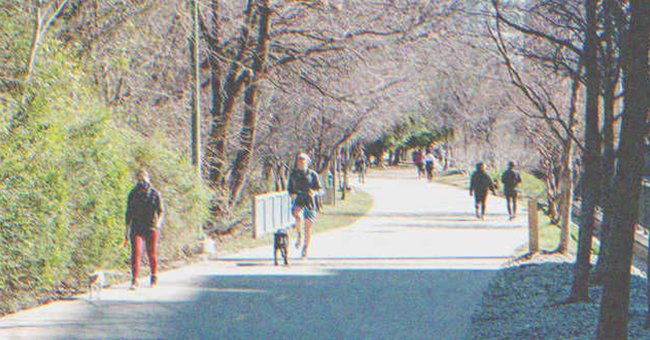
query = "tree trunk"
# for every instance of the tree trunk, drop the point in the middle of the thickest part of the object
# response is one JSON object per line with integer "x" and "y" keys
{"x": 614, "y": 309}
{"x": 447, "y": 153}
{"x": 41, "y": 26}
{"x": 195, "y": 104}
{"x": 611, "y": 71}
{"x": 36, "y": 37}
{"x": 224, "y": 98}
{"x": 346, "y": 170}
{"x": 566, "y": 198}
{"x": 247, "y": 134}
{"x": 591, "y": 158}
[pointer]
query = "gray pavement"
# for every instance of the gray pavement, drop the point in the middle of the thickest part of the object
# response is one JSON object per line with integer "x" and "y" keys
{"x": 414, "y": 268}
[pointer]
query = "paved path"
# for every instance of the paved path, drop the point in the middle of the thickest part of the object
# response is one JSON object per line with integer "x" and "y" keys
{"x": 414, "y": 268}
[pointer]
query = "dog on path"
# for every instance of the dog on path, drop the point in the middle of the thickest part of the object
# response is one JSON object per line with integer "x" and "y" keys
{"x": 281, "y": 244}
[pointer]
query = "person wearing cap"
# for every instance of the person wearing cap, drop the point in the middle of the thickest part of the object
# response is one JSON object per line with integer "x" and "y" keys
{"x": 479, "y": 185}
{"x": 144, "y": 216}
{"x": 511, "y": 179}
{"x": 304, "y": 183}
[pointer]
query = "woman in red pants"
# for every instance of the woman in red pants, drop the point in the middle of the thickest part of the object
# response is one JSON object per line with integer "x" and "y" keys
{"x": 144, "y": 215}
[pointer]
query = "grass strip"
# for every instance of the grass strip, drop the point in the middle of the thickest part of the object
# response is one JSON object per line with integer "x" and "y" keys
{"x": 549, "y": 234}
{"x": 356, "y": 205}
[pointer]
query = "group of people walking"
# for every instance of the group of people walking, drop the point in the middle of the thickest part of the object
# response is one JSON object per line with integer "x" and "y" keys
{"x": 424, "y": 162}
{"x": 145, "y": 210}
{"x": 481, "y": 183}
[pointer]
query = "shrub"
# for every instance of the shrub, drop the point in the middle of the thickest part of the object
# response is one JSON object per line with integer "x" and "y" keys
{"x": 65, "y": 172}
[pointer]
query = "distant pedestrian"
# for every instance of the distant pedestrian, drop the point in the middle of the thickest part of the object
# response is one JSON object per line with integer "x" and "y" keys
{"x": 144, "y": 217}
{"x": 511, "y": 180}
{"x": 361, "y": 166}
{"x": 428, "y": 164}
{"x": 418, "y": 160}
{"x": 304, "y": 183}
{"x": 479, "y": 185}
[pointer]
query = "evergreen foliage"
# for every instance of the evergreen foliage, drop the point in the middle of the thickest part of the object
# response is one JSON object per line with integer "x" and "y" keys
{"x": 66, "y": 168}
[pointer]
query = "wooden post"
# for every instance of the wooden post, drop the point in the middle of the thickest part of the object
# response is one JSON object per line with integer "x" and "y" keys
{"x": 255, "y": 224}
{"x": 533, "y": 227}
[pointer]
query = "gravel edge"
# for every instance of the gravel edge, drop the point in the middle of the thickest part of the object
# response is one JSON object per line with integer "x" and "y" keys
{"x": 524, "y": 301}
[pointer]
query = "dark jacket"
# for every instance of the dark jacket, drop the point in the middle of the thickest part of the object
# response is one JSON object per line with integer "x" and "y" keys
{"x": 510, "y": 179}
{"x": 481, "y": 182}
{"x": 300, "y": 182}
{"x": 144, "y": 208}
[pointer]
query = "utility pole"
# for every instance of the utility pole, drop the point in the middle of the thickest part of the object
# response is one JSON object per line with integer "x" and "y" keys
{"x": 196, "y": 95}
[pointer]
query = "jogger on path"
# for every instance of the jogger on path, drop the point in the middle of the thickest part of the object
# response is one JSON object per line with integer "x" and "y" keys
{"x": 303, "y": 185}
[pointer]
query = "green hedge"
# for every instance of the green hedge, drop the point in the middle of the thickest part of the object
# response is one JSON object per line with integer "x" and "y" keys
{"x": 65, "y": 173}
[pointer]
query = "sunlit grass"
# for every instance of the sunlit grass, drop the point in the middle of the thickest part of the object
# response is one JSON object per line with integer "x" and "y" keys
{"x": 549, "y": 234}
{"x": 530, "y": 185}
{"x": 549, "y": 237}
{"x": 355, "y": 206}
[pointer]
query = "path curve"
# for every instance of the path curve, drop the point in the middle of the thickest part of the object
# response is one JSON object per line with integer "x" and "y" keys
{"x": 415, "y": 267}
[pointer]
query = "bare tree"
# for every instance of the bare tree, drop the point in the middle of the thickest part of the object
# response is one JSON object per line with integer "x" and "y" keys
{"x": 562, "y": 63}
{"x": 45, "y": 12}
{"x": 241, "y": 164}
{"x": 591, "y": 156}
{"x": 611, "y": 81}
{"x": 627, "y": 184}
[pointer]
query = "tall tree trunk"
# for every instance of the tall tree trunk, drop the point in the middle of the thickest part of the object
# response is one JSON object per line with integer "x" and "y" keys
{"x": 566, "y": 180}
{"x": 610, "y": 79}
{"x": 196, "y": 89}
{"x": 224, "y": 97}
{"x": 36, "y": 39}
{"x": 614, "y": 308}
{"x": 41, "y": 26}
{"x": 346, "y": 170}
{"x": 566, "y": 197}
{"x": 591, "y": 158}
{"x": 247, "y": 134}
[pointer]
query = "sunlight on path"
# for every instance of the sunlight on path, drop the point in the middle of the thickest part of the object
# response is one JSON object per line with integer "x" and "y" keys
{"x": 414, "y": 268}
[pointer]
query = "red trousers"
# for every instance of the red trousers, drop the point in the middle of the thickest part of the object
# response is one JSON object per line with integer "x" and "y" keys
{"x": 150, "y": 242}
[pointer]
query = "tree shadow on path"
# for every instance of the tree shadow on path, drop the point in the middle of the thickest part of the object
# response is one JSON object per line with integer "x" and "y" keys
{"x": 337, "y": 304}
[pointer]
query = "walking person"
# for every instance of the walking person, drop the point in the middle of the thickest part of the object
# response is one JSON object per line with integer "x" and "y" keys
{"x": 428, "y": 164}
{"x": 361, "y": 167}
{"x": 144, "y": 217}
{"x": 479, "y": 185}
{"x": 511, "y": 180}
{"x": 304, "y": 183}
{"x": 418, "y": 160}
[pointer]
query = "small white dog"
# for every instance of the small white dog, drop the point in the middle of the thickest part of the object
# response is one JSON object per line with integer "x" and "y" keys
{"x": 99, "y": 279}
{"x": 208, "y": 249}
{"x": 96, "y": 282}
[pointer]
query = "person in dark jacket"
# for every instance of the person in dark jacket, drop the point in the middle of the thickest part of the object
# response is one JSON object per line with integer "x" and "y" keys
{"x": 144, "y": 216}
{"x": 418, "y": 160}
{"x": 304, "y": 183}
{"x": 362, "y": 167}
{"x": 479, "y": 185}
{"x": 511, "y": 179}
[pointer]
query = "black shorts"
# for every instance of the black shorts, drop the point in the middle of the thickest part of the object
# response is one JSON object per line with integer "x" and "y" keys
{"x": 480, "y": 196}
{"x": 510, "y": 193}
